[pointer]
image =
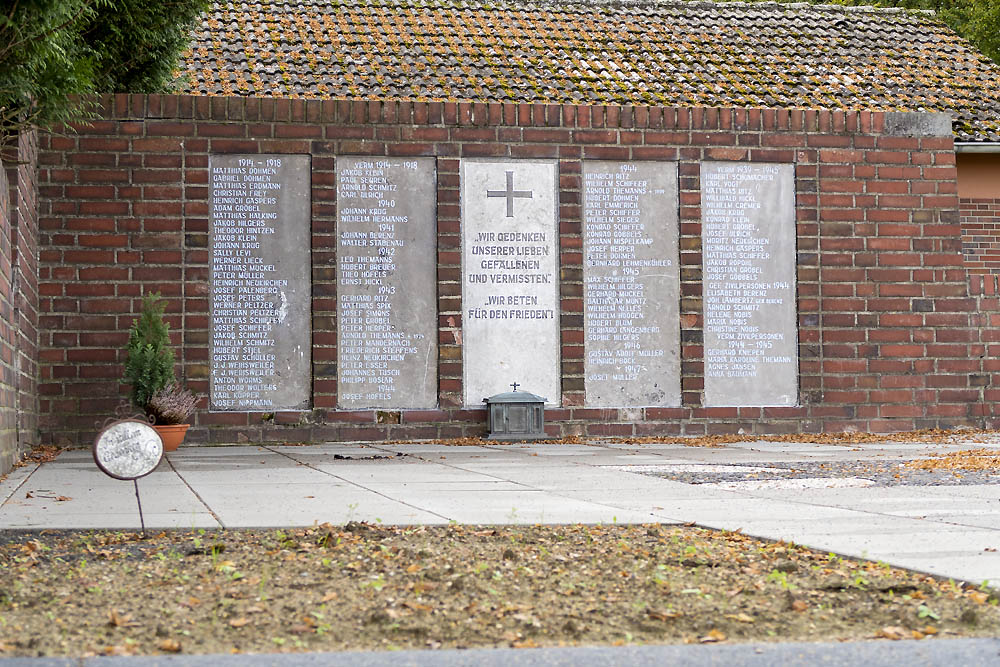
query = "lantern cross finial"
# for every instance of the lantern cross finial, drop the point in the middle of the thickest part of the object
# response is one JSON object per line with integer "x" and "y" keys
{"x": 515, "y": 386}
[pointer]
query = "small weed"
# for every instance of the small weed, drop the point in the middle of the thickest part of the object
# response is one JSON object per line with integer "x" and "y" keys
{"x": 923, "y": 611}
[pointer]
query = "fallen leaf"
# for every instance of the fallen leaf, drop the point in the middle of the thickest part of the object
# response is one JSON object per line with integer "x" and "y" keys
{"x": 916, "y": 634}
{"x": 525, "y": 643}
{"x": 28, "y": 495}
{"x": 800, "y": 605}
{"x": 169, "y": 645}
{"x": 116, "y": 620}
{"x": 329, "y": 596}
{"x": 713, "y": 636}
{"x": 301, "y": 629}
{"x": 239, "y": 622}
{"x": 661, "y": 615}
{"x": 978, "y": 597}
{"x": 893, "y": 632}
{"x": 929, "y": 630}
{"x": 413, "y": 568}
{"x": 741, "y": 617}
{"x": 61, "y": 499}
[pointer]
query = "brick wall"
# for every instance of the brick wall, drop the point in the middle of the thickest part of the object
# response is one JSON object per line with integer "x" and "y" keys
{"x": 18, "y": 301}
{"x": 981, "y": 234}
{"x": 890, "y": 336}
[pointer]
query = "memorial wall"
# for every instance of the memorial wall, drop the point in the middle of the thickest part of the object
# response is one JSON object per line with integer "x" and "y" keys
{"x": 510, "y": 278}
{"x": 748, "y": 278}
{"x": 631, "y": 284}
{"x": 386, "y": 283}
{"x": 260, "y": 291}
{"x": 373, "y": 270}
{"x": 387, "y": 348}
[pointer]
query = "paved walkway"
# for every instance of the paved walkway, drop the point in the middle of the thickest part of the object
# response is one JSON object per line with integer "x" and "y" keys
{"x": 952, "y": 531}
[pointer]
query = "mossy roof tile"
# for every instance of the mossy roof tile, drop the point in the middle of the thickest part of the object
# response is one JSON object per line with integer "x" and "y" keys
{"x": 669, "y": 52}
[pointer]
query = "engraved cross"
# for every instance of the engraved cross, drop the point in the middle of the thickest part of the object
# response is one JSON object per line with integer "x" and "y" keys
{"x": 515, "y": 385}
{"x": 510, "y": 193}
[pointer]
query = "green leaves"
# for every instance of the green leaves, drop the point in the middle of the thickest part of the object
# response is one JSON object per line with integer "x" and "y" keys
{"x": 53, "y": 51}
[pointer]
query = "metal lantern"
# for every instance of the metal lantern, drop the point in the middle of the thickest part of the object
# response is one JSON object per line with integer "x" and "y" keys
{"x": 516, "y": 415}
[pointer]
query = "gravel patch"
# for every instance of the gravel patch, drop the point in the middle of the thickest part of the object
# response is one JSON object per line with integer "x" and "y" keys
{"x": 878, "y": 473}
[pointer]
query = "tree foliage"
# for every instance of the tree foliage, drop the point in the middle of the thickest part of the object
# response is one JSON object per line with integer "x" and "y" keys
{"x": 52, "y": 51}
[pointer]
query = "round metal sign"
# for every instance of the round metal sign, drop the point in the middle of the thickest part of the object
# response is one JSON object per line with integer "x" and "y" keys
{"x": 128, "y": 449}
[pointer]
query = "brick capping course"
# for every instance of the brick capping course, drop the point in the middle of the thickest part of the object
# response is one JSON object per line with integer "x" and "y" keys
{"x": 891, "y": 330}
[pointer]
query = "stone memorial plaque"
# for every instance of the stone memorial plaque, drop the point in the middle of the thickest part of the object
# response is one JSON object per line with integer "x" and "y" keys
{"x": 631, "y": 284}
{"x": 387, "y": 283}
{"x": 260, "y": 282}
{"x": 748, "y": 249}
{"x": 128, "y": 449}
{"x": 510, "y": 279}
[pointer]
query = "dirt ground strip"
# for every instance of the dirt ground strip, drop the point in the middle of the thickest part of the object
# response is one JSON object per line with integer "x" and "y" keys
{"x": 369, "y": 587}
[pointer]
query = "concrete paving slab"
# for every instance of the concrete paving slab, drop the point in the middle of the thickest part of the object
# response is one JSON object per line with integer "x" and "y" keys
{"x": 926, "y": 543}
{"x": 395, "y": 489}
{"x": 520, "y": 507}
{"x": 531, "y": 483}
{"x": 986, "y": 493}
{"x": 431, "y": 448}
{"x": 261, "y": 505}
{"x": 990, "y": 520}
{"x": 227, "y": 451}
{"x": 402, "y": 473}
{"x": 14, "y": 479}
{"x": 746, "y": 510}
{"x": 112, "y": 521}
{"x": 656, "y": 497}
{"x": 567, "y": 477}
{"x": 976, "y": 568}
{"x": 858, "y": 523}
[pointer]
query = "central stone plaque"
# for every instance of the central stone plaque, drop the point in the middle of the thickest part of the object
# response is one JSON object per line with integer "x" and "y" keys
{"x": 260, "y": 282}
{"x": 631, "y": 281}
{"x": 510, "y": 280}
{"x": 748, "y": 248}
{"x": 387, "y": 283}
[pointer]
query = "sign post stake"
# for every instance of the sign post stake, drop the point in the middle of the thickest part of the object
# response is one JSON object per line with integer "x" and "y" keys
{"x": 142, "y": 521}
{"x": 127, "y": 450}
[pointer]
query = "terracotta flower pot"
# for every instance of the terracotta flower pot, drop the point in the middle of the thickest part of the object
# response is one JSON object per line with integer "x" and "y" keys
{"x": 171, "y": 434}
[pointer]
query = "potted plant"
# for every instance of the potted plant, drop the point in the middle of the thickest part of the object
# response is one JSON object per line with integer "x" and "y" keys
{"x": 149, "y": 369}
{"x": 170, "y": 409}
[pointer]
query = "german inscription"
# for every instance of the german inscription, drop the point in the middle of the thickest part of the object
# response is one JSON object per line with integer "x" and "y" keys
{"x": 510, "y": 280}
{"x": 387, "y": 283}
{"x": 128, "y": 449}
{"x": 260, "y": 282}
{"x": 748, "y": 246}
{"x": 631, "y": 283}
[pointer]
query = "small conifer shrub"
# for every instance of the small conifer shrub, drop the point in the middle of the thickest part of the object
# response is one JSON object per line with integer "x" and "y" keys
{"x": 149, "y": 366}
